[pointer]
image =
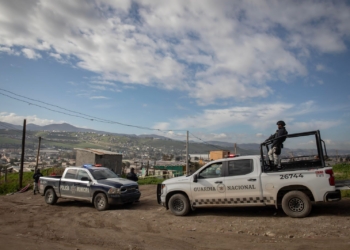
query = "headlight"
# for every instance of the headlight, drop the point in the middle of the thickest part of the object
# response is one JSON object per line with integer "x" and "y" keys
{"x": 114, "y": 191}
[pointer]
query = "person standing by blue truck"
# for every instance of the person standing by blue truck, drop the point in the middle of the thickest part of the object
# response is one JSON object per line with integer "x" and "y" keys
{"x": 36, "y": 177}
{"x": 131, "y": 175}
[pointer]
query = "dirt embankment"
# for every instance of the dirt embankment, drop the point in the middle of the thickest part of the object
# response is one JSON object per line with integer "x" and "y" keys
{"x": 27, "y": 222}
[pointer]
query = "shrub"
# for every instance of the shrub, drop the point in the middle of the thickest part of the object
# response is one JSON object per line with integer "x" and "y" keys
{"x": 150, "y": 180}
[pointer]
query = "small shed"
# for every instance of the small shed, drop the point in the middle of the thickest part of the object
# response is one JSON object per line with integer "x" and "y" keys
{"x": 218, "y": 154}
{"x": 108, "y": 159}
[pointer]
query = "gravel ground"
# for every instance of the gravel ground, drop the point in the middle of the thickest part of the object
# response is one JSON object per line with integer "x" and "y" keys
{"x": 27, "y": 222}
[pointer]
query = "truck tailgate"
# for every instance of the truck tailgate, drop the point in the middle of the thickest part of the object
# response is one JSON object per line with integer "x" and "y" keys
{"x": 342, "y": 184}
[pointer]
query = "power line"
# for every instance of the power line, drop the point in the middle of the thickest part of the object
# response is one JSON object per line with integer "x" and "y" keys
{"x": 88, "y": 117}
{"x": 80, "y": 115}
{"x": 206, "y": 142}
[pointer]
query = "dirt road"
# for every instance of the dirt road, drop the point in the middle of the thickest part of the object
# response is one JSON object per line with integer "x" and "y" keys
{"x": 27, "y": 222}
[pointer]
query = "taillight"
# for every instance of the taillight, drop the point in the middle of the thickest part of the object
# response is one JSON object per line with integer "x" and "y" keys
{"x": 331, "y": 177}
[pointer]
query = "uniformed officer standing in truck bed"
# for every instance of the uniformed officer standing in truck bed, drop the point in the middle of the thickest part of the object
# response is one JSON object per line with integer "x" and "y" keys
{"x": 275, "y": 151}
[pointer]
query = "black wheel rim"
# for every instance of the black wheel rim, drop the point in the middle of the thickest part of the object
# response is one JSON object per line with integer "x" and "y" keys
{"x": 178, "y": 205}
{"x": 296, "y": 204}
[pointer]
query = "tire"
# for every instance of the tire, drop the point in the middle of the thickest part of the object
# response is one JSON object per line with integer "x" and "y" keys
{"x": 179, "y": 205}
{"x": 101, "y": 202}
{"x": 129, "y": 203}
{"x": 296, "y": 204}
{"x": 50, "y": 196}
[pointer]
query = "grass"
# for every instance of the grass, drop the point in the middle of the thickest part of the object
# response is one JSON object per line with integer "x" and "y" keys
{"x": 12, "y": 184}
{"x": 12, "y": 141}
{"x": 150, "y": 180}
{"x": 342, "y": 172}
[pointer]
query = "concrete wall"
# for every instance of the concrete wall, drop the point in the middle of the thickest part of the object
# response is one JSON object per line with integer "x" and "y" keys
{"x": 84, "y": 157}
{"x": 113, "y": 162}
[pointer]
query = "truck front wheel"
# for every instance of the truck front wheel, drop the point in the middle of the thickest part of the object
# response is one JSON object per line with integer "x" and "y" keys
{"x": 296, "y": 204}
{"x": 179, "y": 204}
{"x": 50, "y": 196}
{"x": 101, "y": 202}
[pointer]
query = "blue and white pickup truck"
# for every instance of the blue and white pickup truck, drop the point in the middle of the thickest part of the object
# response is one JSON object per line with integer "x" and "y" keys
{"x": 97, "y": 185}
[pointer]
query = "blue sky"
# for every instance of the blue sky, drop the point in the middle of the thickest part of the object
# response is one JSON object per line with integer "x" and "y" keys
{"x": 224, "y": 70}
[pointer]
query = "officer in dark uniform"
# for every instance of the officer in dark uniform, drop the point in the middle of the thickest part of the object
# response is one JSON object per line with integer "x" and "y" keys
{"x": 277, "y": 144}
{"x": 36, "y": 177}
{"x": 131, "y": 175}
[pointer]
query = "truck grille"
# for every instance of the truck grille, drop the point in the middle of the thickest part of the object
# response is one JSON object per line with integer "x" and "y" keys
{"x": 130, "y": 189}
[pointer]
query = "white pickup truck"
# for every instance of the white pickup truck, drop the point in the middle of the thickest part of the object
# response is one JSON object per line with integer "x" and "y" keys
{"x": 252, "y": 181}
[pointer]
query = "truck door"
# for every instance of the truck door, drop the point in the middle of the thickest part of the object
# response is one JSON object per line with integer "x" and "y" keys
{"x": 83, "y": 186}
{"x": 243, "y": 183}
{"x": 209, "y": 189}
{"x": 68, "y": 187}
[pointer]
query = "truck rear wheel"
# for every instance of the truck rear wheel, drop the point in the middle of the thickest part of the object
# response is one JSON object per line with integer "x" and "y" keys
{"x": 101, "y": 202}
{"x": 296, "y": 204}
{"x": 179, "y": 204}
{"x": 50, "y": 196}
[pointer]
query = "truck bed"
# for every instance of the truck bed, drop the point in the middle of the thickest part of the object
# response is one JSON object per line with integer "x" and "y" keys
{"x": 52, "y": 177}
{"x": 298, "y": 165}
{"x": 342, "y": 184}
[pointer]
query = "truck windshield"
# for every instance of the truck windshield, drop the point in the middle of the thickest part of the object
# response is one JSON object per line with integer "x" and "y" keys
{"x": 100, "y": 174}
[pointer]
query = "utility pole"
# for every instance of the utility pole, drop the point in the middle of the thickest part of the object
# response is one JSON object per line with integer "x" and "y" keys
{"x": 37, "y": 155}
{"x": 147, "y": 168}
{"x": 22, "y": 156}
{"x": 187, "y": 153}
{"x": 6, "y": 174}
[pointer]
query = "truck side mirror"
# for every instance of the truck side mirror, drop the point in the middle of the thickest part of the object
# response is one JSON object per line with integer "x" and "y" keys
{"x": 195, "y": 178}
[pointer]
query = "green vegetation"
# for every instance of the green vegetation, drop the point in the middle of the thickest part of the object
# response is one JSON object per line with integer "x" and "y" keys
{"x": 150, "y": 180}
{"x": 342, "y": 172}
{"x": 6, "y": 141}
{"x": 12, "y": 184}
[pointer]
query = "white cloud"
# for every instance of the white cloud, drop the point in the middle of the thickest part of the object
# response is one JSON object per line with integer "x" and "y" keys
{"x": 18, "y": 120}
{"x": 212, "y": 50}
{"x": 98, "y": 97}
{"x": 259, "y": 116}
{"x": 162, "y": 126}
{"x": 55, "y": 55}
{"x": 31, "y": 54}
{"x": 315, "y": 125}
{"x": 103, "y": 82}
{"x": 320, "y": 67}
{"x": 10, "y": 51}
